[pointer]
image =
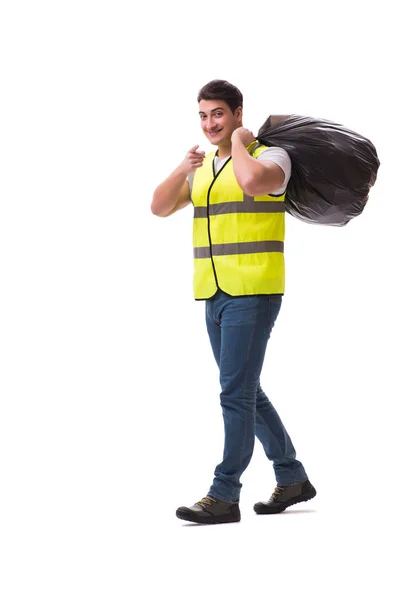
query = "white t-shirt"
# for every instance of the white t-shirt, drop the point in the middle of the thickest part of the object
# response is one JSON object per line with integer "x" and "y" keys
{"x": 277, "y": 155}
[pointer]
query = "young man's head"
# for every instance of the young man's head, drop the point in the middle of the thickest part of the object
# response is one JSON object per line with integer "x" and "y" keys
{"x": 220, "y": 109}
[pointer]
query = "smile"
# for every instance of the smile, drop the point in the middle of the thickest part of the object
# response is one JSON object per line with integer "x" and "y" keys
{"x": 214, "y": 132}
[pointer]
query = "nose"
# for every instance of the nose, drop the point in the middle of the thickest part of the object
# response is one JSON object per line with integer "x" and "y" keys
{"x": 210, "y": 124}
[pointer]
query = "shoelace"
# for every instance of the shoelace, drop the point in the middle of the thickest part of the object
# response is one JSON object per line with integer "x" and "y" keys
{"x": 277, "y": 492}
{"x": 207, "y": 501}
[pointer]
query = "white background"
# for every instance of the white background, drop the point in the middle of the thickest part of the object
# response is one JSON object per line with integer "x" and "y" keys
{"x": 110, "y": 415}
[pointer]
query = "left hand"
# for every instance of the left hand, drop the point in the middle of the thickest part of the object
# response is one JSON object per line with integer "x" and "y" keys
{"x": 243, "y": 135}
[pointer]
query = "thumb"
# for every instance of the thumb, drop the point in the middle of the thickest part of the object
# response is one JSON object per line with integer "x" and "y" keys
{"x": 194, "y": 148}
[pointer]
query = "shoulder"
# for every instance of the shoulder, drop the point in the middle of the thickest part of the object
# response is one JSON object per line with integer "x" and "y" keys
{"x": 273, "y": 152}
{"x": 280, "y": 157}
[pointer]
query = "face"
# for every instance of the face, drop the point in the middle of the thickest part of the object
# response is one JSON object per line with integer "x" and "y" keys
{"x": 218, "y": 122}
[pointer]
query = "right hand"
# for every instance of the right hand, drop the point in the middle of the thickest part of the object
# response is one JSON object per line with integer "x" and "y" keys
{"x": 193, "y": 160}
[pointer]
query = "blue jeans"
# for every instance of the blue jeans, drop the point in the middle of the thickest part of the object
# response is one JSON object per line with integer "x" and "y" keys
{"x": 239, "y": 329}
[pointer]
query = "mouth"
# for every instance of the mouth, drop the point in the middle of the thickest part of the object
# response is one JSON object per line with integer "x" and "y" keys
{"x": 214, "y": 133}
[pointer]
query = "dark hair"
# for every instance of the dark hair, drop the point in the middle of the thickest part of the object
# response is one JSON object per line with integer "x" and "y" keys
{"x": 218, "y": 89}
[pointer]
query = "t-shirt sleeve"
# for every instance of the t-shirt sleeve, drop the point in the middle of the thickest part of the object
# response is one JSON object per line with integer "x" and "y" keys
{"x": 190, "y": 179}
{"x": 280, "y": 157}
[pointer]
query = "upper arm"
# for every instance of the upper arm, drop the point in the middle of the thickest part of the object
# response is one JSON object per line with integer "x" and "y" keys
{"x": 266, "y": 179}
{"x": 278, "y": 166}
{"x": 274, "y": 177}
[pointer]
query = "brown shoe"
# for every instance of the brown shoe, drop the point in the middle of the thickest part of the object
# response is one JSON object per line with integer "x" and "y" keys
{"x": 284, "y": 496}
{"x": 210, "y": 510}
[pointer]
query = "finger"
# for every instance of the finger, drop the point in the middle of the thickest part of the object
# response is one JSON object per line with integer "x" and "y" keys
{"x": 194, "y": 148}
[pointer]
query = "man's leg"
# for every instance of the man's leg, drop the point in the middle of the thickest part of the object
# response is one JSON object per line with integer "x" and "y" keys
{"x": 276, "y": 443}
{"x": 239, "y": 329}
{"x": 245, "y": 325}
{"x": 210, "y": 510}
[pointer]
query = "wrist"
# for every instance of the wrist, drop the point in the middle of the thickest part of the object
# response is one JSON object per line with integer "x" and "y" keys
{"x": 182, "y": 170}
{"x": 235, "y": 138}
{"x": 237, "y": 143}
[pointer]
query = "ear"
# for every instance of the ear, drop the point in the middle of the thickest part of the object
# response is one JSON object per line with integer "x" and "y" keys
{"x": 239, "y": 113}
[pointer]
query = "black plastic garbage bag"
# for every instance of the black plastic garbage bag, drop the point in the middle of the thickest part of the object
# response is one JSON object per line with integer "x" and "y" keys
{"x": 333, "y": 168}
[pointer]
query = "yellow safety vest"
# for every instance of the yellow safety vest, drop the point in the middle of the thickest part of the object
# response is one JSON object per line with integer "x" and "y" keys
{"x": 238, "y": 240}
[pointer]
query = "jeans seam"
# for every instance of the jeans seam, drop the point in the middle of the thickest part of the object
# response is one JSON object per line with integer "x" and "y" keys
{"x": 246, "y": 418}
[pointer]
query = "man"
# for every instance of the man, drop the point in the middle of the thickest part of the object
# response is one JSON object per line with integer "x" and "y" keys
{"x": 238, "y": 195}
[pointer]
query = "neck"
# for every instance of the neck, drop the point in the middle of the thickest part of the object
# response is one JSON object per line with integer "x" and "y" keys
{"x": 225, "y": 150}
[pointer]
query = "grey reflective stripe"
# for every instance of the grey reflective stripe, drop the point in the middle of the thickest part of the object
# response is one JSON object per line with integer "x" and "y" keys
{"x": 248, "y": 206}
{"x": 203, "y": 252}
{"x": 200, "y": 212}
{"x": 238, "y": 248}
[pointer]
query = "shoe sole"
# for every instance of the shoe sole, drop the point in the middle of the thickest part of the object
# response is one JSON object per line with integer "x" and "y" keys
{"x": 193, "y": 518}
{"x": 261, "y": 510}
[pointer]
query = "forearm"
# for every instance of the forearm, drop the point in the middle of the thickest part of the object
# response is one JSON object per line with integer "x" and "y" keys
{"x": 169, "y": 192}
{"x": 254, "y": 177}
{"x": 246, "y": 168}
